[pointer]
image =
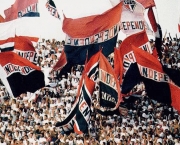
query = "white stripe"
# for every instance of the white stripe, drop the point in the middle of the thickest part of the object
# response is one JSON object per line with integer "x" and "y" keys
{"x": 8, "y": 44}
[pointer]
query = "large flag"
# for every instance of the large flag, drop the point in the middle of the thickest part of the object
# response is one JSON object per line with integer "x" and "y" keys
{"x": 147, "y": 3}
{"x": 25, "y": 8}
{"x": 133, "y": 19}
{"x": 127, "y": 58}
{"x": 91, "y": 33}
{"x": 84, "y": 106}
{"x": 99, "y": 69}
{"x": 24, "y": 47}
{"x": 50, "y": 5}
{"x": 61, "y": 62}
{"x": 19, "y": 75}
{"x": 158, "y": 83}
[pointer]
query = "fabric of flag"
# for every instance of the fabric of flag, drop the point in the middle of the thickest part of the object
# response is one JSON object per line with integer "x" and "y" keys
{"x": 24, "y": 48}
{"x": 132, "y": 18}
{"x": 50, "y": 5}
{"x": 84, "y": 106}
{"x": 19, "y": 75}
{"x": 161, "y": 84}
{"x": 26, "y": 8}
{"x": 147, "y": 3}
{"x": 117, "y": 63}
{"x": 129, "y": 76}
{"x": 2, "y": 19}
{"x": 67, "y": 125}
{"x": 152, "y": 19}
{"x": 61, "y": 62}
{"x": 91, "y": 33}
{"x": 99, "y": 69}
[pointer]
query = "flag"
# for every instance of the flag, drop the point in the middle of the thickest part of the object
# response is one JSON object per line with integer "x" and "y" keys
{"x": 19, "y": 75}
{"x": 132, "y": 18}
{"x": 61, "y": 62}
{"x": 128, "y": 68}
{"x": 67, "y": 125}
{"x": 158, "y": 83}
{"x": 91, "y": 33}
{"x": 50, "y": 5}
{"x": 24, "y": 48}
{"x": 99, "y": 69}
{"x": 84, "y": 106}
{"x": 27, "y": 8}
{"x": 7, "y": 44}
{"x": 147, "y": 3}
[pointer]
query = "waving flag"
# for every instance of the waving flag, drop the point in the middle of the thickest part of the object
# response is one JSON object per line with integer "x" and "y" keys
{"x": 19, "y": 75}
{"x": 129, "y": 71}
{"x": 158, "y": 83}
{"x": 91, "y": 33}
{"x": 24, "y": 48}
{"x": 50, "y": 5}
{"x": 26, "y": 8}
{"x": 84, "y": 106}
{"x": 99, "y": 69}
{"x": 132, "y": 18}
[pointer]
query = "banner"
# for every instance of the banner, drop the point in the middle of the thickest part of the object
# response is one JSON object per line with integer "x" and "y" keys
{"x": 91, "y": 34}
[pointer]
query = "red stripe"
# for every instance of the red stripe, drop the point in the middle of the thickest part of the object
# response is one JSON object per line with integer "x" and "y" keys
{"x": 152, "y": 19}
{"x": 88, "y": 26}
{"x": 61, "y": 62}
{"x": 11, "y": 39}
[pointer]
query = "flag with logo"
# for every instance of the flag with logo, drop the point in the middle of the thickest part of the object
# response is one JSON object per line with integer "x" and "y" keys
{"x": 19, "y": 75}
{"x": 132, "y": 18}
{"x": 91, "y": 33}
{"x": 51, "y": 7}
{"x": 25, "y": 8}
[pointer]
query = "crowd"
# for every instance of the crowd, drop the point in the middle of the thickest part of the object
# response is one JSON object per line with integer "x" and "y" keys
{"x": 30, "y": 118}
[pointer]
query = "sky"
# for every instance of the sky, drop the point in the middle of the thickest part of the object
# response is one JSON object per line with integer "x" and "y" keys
{"x": 166, "y": 12}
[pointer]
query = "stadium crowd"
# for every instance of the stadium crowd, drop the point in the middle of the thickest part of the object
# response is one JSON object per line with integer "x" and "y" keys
{"x": 30, "y": 118}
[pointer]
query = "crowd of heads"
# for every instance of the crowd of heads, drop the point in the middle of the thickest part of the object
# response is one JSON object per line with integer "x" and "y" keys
{"x": 30, "y": 118}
